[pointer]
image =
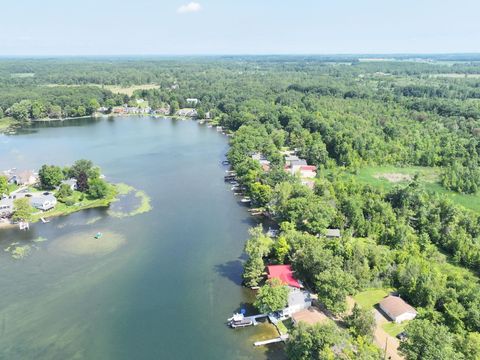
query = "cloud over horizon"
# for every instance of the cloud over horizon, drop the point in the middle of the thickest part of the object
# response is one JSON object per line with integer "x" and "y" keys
{"x": 189, "y": 8}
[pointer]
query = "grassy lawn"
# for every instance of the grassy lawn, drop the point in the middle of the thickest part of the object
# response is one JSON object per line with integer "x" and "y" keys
{"x": 368, "y": 298}
{"x": 62, "y": 209}
{"x": 393, "y": 329}
{"x": 379, "y": 177}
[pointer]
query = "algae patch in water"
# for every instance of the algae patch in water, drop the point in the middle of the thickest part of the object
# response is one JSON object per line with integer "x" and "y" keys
{"x": 85, "y": 243}
{"x": 93, "y": 220}
{"x": 18, "y": 252}
{"x": 128, "y": 194}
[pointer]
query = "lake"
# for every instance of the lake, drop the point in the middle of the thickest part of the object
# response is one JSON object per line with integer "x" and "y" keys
{"x": 161, "y": 284}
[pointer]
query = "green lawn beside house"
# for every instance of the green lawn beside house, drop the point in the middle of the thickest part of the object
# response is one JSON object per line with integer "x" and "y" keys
{"x": 368, "y": 298}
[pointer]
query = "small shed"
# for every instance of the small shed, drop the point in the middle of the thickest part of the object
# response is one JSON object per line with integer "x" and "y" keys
{"x": 397, "y": 309}
{"x": 332, "y": 233}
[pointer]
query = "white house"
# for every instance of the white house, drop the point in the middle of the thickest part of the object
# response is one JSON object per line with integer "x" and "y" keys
{"x": 72, "y": 183}
{"x": 397, "y": 309}
{"x": 297, "y": 300}
{"x": 45, "y": 201}
{"x": 24, "y": 177}
{"x": 6, "y": 207}
{"x": 192, "y": 101}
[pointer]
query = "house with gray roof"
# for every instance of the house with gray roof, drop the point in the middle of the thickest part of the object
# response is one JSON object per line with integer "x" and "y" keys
{"x": 45, "y": 201}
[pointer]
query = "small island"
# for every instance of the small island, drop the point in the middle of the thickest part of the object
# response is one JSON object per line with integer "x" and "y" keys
{"x": 27, "y": 196}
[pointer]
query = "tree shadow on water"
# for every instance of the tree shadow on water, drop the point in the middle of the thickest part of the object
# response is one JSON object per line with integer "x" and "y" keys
{"x": 231, "y": 270}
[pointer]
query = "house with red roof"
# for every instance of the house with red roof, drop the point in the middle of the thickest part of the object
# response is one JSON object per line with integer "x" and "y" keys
{"x": 285, "y": 274}
{"x": 298, "y": 299}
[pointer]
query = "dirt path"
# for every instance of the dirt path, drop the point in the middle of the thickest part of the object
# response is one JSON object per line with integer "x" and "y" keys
{"x": 382, "y": 339}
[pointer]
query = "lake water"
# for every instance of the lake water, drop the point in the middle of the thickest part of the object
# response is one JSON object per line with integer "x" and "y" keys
{"x": 166, "y": 281}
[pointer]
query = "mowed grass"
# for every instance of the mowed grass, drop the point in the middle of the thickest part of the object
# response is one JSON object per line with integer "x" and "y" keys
{"x": 429, "y": 177}
{"x": 368, "y": 298}
{"x": 116, "y": 89}
{"x": 129, "y": 90}
{"x": 393, "y": 329}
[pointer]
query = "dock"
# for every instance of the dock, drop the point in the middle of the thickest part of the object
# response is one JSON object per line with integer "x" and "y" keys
{"x": 254, "y": 318}
{"x": 271, "y": 341}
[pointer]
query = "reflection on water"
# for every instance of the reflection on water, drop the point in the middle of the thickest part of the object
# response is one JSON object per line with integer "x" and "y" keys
{"x": 159, "y": 285}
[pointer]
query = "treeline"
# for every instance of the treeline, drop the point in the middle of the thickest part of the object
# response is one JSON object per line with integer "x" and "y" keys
{"x": 24, "y": 103}
{"x": 396, "y": 238}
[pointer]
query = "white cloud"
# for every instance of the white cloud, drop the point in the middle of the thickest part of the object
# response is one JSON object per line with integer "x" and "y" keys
{"x": 189, "y": 8}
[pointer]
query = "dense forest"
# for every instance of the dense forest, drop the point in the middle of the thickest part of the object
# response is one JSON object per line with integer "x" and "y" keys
{"x": 341, "y": 115}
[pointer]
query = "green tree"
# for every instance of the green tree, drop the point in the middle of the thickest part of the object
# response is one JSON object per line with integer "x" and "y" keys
{"x": 428, "y": 341}
{"x": 3, "y": 185}
{"x": 64, "y": 192}
{"x": 261, "y": 194}
{"x": 361, "y": 322}
{"x": 273, "y": 296}
{"x": 22, "y": 211}
{"x": 253, "y": 271}
{"x": 50, "y": 176}
{"x": 281, "y": 248}
{"x": 333, "y": 286}
{"x": 97, "y": 188}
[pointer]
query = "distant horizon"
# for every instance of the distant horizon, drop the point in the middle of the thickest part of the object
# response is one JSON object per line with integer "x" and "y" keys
{"x": 346, "y": 54}
{"x": 219, "y": 27}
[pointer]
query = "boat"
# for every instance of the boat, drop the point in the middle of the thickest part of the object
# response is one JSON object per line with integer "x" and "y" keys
{"x": 98, "y": 235}
{"x": 225, "y": 162}
{"x": 246, "y": 200}
{"x": 239, "y": 320}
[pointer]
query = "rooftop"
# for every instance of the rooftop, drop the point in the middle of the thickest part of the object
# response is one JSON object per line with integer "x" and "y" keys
{"x": 284, "y": 273}
{"x": 396, "y": 306}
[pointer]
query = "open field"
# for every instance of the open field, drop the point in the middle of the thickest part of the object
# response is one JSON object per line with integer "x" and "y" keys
{"x": 387, "y": 177}
{"x": 129, "y": 90}
{"x": 117, "y": 89}
{"x": 368, "y": 298}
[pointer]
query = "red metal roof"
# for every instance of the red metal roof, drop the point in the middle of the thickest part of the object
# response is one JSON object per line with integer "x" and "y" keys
{"x": 284, "y": 273}
{"x": 308, "y": 167}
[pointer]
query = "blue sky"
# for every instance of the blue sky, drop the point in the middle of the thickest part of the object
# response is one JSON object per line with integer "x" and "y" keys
{"x": 169, "y": 27}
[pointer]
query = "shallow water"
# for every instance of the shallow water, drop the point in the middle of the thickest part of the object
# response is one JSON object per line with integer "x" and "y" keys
{"x": 164, "y": 285}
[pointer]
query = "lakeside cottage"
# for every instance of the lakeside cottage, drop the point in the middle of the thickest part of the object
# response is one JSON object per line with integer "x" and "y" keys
{"x": 298, "y": 299}
{"x": 187, "y": 112}
{"x": 21, "y": 177}
{"x": 72, "y": 183}
{"x": 6, "y": 207}
{"x": 44, "y": 202}
{"x": 262, "y": 160}
{"x": 397, "y": 309}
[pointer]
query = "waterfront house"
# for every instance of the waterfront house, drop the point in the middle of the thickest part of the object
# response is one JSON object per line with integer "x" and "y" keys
{"x": 298, "y": 300}
{"x": 397, "y": 309}
{"x": 285, "y": 274}
{"x": 262, "y": 160}
{"x": 187, "y": 112}
{"x": 45, "y": 201}
{"x": 21, "y": 177}
{"x": 6, "y": 207}
{"x": 72, "y": 183}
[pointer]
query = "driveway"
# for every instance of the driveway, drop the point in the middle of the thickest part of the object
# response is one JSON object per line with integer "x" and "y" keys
{"x": 383, "y": 339}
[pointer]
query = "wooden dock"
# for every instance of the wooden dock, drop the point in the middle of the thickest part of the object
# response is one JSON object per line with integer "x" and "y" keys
{"x": 271, "y": 341}
{"x": 254, "y": 318}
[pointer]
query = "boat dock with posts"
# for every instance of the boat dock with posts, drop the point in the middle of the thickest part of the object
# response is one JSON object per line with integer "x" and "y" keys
{"x": 240, "y": 320}
{"x": 271, "y": 341}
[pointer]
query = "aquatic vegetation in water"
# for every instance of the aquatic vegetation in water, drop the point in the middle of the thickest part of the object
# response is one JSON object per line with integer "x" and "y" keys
{"x": 143, "y": 202}
{"x": 85, "y": 243}
{"x": 39, "y": 239}
{"x": 93, "y": 220}
{"x": 18, "y": 252}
